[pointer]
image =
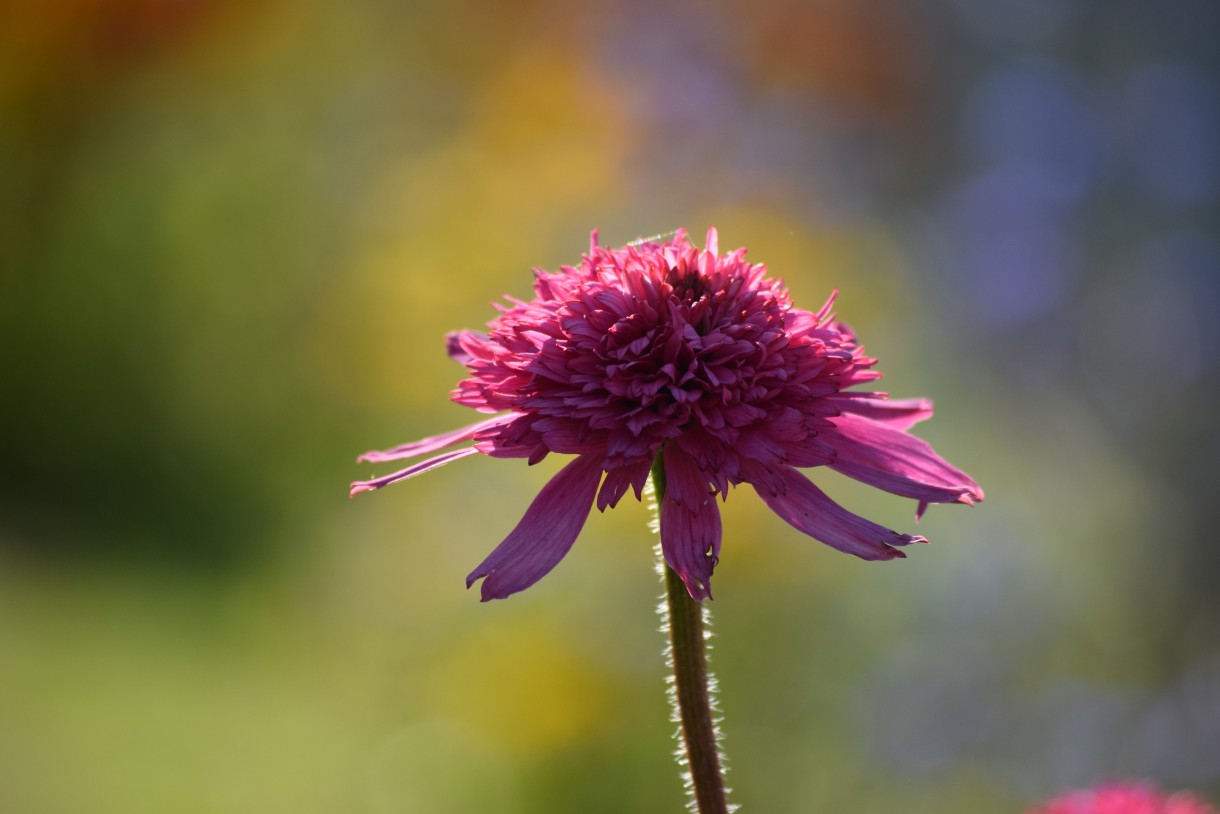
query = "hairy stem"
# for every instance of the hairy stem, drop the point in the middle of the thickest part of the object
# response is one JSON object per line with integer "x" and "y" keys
{"x": 692, "y": 697}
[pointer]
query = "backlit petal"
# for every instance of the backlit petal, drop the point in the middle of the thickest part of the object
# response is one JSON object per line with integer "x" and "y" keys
{"x": 690, "y": 523}
{"x": 434, "y": 443}
{"x": 898, "y": 414}
{"x": 411, "y": 471}
{"x": 544, "y": 535}
{"x": 897, "y": 462}
{"x": 806, "y": 508}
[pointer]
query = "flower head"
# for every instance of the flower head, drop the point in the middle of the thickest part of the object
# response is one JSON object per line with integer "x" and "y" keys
{"x": 660, "y": 348}
{"x": 1124, "y": 798}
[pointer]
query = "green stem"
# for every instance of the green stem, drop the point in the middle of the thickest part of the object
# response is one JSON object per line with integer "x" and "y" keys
{"x": 692, "y": 695}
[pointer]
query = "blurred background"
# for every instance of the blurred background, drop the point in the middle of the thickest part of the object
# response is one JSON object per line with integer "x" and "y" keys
{"x": 233, "y": 235}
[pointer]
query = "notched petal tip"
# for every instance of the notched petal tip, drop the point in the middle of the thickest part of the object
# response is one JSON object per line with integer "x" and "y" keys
{"x": 808, "y": 509}
{"x": 486, "y": 593}
{"x": 887, "y": 550}
{"x": 968, "y": 497}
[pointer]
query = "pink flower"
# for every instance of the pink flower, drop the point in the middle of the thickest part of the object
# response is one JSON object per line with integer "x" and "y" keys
{"x": 661, "y": 348}
{"x": 1124, "y": 798}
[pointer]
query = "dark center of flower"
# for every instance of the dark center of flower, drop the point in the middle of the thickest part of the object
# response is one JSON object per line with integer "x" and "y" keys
{"x": 688, "y": 285}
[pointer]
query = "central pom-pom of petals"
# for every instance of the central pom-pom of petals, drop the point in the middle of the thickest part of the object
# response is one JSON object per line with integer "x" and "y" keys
{"x": 651, "y": 343}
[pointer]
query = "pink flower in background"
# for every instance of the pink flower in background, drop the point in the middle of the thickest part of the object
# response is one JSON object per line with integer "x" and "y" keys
{"x": 1124, "y": 798}
{"x": 660, "y": 347}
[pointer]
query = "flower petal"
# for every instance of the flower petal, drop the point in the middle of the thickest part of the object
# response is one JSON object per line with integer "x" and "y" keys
{"x": 455, "y": 345}
{"x": 619, "y": 480}
{"x": 897, "y": 462}
{"x": 899, "y": 414}
{"x": 690, "y": 523}
{"x": 806, "y": 508}
{"x": 544, "y": 535}
{"x": 411, "y": 471}
{"x": 434, "y": 443}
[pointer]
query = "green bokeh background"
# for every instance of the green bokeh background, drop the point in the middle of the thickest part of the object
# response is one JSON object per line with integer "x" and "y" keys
{"x": 233, "y": 236}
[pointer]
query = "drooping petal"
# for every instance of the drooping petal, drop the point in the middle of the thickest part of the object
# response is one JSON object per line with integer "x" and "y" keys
{"x": 690, "y": 523}
{"x": 434, "y": 443}
{"x": 899, "y": 414}
{"x": 897, "y": 462}
{"x": 544, "y": 535}
{"x": 411, "y": 471}
{"x": 806, "y": 508}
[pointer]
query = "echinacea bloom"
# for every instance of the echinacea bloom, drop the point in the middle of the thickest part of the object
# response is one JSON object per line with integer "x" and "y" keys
{"x": 662, "y": 348}
{"x": 1124, "y": 798}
